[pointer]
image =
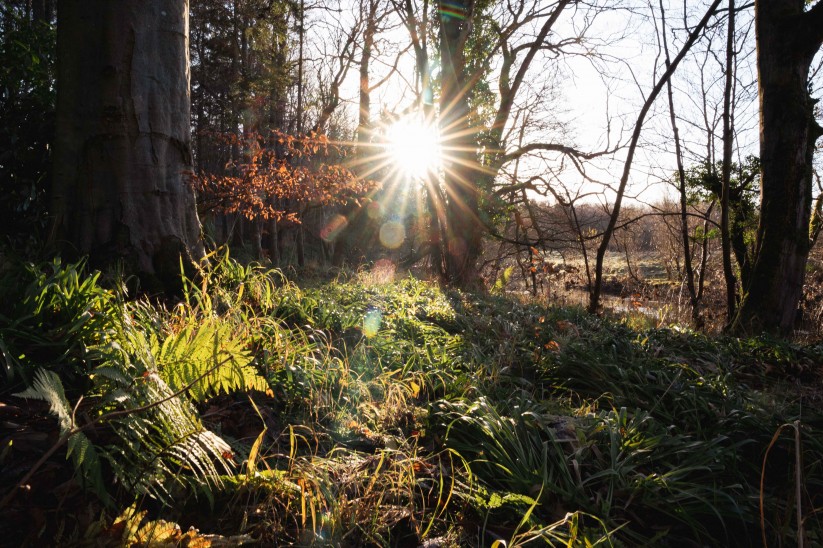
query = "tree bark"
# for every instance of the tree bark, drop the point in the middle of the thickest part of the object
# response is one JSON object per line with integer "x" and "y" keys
{"x": 123, "y": 148}
{"x": 787, "y": 40}
{"x": 463, "y": 227}
{"x": 728, "y": 136}
{"x": 364, "y": 125}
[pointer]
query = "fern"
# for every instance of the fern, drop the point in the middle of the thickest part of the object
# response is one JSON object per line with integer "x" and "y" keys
{"x": 51, "y": 312}
{"x": 47, "y": 387}
{"x": 162, "y": 441}
{"x": 164, "y": 445}
{"x": 137, "y": 372}
{"x": 211, "y": 357}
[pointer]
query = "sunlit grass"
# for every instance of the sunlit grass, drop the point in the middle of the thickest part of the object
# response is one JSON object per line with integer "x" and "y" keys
{"x": 400, "y": 412}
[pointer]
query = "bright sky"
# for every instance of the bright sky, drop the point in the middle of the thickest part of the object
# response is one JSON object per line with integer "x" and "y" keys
{"x": 592, "y": 101}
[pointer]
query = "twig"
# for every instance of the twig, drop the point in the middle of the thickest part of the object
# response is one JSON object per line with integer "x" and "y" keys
{"x": 113, "y": 414}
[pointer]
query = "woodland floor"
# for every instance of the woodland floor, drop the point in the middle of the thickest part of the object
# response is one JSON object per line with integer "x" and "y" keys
{"x": 389, "y": 412}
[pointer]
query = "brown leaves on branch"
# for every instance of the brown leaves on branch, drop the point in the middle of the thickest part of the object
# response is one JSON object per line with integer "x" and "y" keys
{"x": 275, "y": 176}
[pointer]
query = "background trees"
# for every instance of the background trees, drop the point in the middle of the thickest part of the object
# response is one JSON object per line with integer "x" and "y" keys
{"x": 27, "y": 96}
{"x": 553, "y": 142}
{"x": 502, "y": 82}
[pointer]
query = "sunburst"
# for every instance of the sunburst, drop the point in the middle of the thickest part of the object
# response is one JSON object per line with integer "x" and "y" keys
{"x": 414, "y": 147}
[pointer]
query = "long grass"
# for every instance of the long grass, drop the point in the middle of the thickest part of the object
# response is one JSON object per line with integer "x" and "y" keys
{"x": 367, "y": 411}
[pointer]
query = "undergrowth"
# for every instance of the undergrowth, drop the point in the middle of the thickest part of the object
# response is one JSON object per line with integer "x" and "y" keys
{"x": 361, "y": 411}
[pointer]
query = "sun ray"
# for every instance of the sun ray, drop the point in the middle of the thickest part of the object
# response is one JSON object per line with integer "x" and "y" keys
{"x": 414, "y": 147}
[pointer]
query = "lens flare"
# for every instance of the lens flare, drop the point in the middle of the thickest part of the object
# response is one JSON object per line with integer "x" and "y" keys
{"x": 333, "y": 228}
{"x": 375, "y": 210}
{"x": 371, "y": 323}
{"x": 392, "y": 234}
{"x": 453, "y": 10}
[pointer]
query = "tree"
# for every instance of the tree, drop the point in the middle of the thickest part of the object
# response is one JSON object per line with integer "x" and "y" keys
{"x": 476, "y": 123}
{"x": 27, "y": 43}
{"x": 463, "y": 229}
{"x": 123, "y": 148}
{"x": 694, "y": 298}
{"x": 788, "y": 39}
{"x": 728, "y": 137}
{"x": 278, "y": 168}
{"x": 671, "y": 66}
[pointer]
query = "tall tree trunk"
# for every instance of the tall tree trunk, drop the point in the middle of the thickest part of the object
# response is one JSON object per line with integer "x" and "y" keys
{"x": 277, "y": 120}
{"x": 274, "y": 243}
{"x": 301, "y": 18}
{"x": 594, "y": 295}
{"x": 123, "y": 147}
{"x": 352, "y": 229}
{"x": 43, "y": 11}
{"x": 463, "y": 227}
{"x": 364, "y": 117}
{"x": 299, "y": 241}
{"x": 787, "y": 40}
{"x": 694, "y": 302}
{"x": 300, "y": 244}
{"x": 725, "y": 232}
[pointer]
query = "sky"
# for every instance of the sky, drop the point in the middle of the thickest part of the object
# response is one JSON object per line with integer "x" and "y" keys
{"x": 591, "y": 98}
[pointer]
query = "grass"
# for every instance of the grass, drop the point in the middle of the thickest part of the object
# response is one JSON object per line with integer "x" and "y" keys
{"x": 372, "y": 411}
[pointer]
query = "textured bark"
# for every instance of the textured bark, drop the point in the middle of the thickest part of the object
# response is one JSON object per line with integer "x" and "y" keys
{"x": 463, "y": 227}
{"x": 787, "y": 40}
{"x": 364, "y": 125}
{"x": 123, "y": 148}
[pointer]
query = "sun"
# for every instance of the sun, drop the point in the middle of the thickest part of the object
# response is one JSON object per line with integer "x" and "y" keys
{"x": 414, "y": 147}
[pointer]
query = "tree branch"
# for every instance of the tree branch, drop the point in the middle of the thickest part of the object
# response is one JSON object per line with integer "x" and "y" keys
{"x": 627, "y": 166}
{"x": 507, "y": 101}
{"x": 552, "y": 147}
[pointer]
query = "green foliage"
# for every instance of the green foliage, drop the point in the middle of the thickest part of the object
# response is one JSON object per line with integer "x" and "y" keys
{"x": 50, "y": 313}
{"x": 163, "y": 446}
{"x": 161, "y": 439}
{"x": 209, "y": 358}
{"x": 47, "y": 387}
{"x": 395, "y": 411}
{"x": 131, "y": 361}
{"x": 502, "y": 281}
{"x": 27, "y": 101}
{"x": 704, "y": 185}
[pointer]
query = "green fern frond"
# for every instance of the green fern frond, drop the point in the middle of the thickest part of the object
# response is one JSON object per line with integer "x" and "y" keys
{"x": 48, "y": 387}
{"x": 164, "y": 445}
{"x": 113, "y": 374}
{"x": 210, "y": 352}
